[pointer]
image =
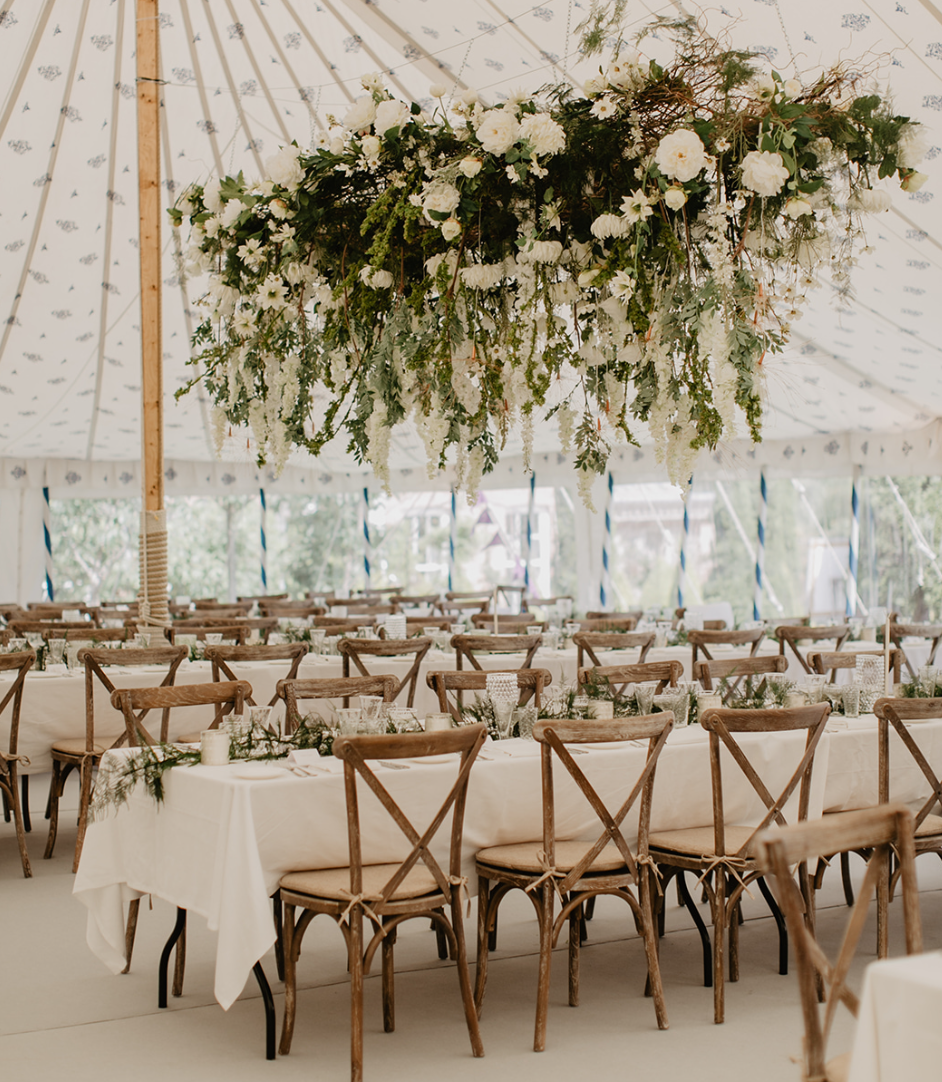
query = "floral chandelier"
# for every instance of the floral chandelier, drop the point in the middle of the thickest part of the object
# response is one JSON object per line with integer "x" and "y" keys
{"x": 597, "y": 262}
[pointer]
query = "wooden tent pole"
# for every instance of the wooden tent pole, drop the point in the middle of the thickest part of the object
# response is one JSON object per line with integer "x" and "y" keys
{"x": 153, "y": 562}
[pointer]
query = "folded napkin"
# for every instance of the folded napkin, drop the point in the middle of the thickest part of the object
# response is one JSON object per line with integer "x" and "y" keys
{"x": 311, "y": 759}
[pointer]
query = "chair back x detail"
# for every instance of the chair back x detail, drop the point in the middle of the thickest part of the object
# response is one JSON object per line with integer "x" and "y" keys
{"x": 469, "y": 646}
{"x": 792, "y": 635}
{"x": 134, "y": 703}
{"x": 620, "y": 676}
{"x": 741, "y": 668}
{"x": 587, "y": 642}
{"x": 221, "y": 656}
{"x": 341, "y": 687}
{"x": 530, "y": 682}
{"x": 358, "y": 649}
{"x": 701, "y": 641}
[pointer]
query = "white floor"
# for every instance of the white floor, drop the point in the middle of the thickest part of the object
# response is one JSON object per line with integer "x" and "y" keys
{"x": 63, "y": 1015}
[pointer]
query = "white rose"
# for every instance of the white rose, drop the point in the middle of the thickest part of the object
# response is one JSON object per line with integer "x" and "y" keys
{"x": 792, "y": 88}
{"x": 470, "y": 167}
{"x": 675, "y": 198}
{"x": 482, "y": 276}
{"x": 361, "y": 113}
{"x": 912, "y": 146}
{"x": 870, "y": 201}
{"x": 542, "y": 133}
{"x": 680, "y": 155}
{"x": 232, "y": 211}
{"x": 609, "y": 225}
{"x": 763, "y": 172}
{"x": 451, "y": 228}
{"x": 370, "y": 146}
{"x": 436, "y": 90}
{"x": 913, "y": 182}
{"x": 212, "y": 200}
{"x": 285, "y": 169}
{"x": 441, "y": 199}
{"x": 391, "y": 114}
{"x": 796, "y": 207}
{"x": 376, "y": 279}
{"x": 278, "y": 208}
{"x": 497, "y": 130}
{"x": 372, "y": 81}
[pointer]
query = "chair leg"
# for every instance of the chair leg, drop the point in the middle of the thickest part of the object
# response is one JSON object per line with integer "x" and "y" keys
{"x": 545, "y": 915}
{"x": 52, "y": 804}
{"x": 441, "y": 940}
{"x": 575, "y": 942}
{"x": 85, "y": 798}
{"x": 484, "y": 944}
{"x": 389, "y": 989}
{"x": 18, "y": 821}
{"x": 719, "y": 933}
{"x": 290, "y": 956}
{"x": 733, "y": 943}
{"x": 691, "y": 908}
{"x": 649, "y": 929}
{"x": 883, "y": 903}
{"x": 590, "y": 908}
{"x": 356, "y": 994}
{"x": 130, "y": 932}
{"x": 464, "y": 977}
{"x": 279, "y": 936}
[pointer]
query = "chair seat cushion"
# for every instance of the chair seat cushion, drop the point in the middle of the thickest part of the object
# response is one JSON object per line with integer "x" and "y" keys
{"x": 932, "y": 824}
{"x": 76, "y": 747}
{"x": 523, "y": 857}
{"x": 698, "y": 841}
{"x": 335, "y": 882}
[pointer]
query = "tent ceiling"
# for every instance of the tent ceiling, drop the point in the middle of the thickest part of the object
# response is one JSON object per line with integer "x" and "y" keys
{"x": 245, "y": 76}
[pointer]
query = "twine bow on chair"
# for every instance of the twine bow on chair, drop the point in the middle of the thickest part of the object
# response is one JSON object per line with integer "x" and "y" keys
{"x": 360, "y": 900}
{"x": 648, "y": 861}
{"x": 730, "y": 864}
{"x": 549, "y": 872}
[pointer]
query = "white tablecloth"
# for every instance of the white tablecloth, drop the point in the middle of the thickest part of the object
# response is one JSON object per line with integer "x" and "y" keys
{"x": 218, "y": 845}
{"x": 54, "y": 705}
{"x": 898, "y": 1033}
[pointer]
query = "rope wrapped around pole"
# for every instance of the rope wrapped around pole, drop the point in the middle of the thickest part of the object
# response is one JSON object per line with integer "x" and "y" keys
{"x": 47, "y": 543}
{"x": 152, "y": 598}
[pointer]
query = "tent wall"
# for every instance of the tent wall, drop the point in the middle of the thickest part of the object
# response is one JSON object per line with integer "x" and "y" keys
{"x": 898, "y": 454}
{"x": 22, "y": 566}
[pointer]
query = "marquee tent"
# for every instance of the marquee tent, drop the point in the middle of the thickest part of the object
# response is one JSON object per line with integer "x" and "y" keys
{"x": 859, "y": 386}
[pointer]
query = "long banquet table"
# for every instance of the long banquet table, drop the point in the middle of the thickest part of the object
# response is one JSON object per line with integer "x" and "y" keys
{"x": 219, "y": 844}
{"x": 54, "y": 705}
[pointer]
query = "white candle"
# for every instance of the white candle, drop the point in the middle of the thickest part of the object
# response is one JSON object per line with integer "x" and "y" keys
{"x": 214, "y": 747}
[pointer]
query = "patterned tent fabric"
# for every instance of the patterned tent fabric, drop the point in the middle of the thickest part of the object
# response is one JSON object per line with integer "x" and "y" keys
{"x": 243, "y": 77}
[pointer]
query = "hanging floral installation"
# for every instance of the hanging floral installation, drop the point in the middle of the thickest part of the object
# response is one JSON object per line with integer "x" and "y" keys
{"x": 599, "y": 262}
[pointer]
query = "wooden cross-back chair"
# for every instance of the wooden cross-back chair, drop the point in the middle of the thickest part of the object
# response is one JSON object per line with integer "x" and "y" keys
{"x": 225, "y": 697}
{"x": 620, "y": 676}
{"x": 294, "y": 611}
{"x": 415, "y": 624}
{"x": 830, "y": 662}
{"x": 791, "y": 635}
{"x": 357, "y": 609}
{"x": 894, "y": 714}
{"x": 932, "y": 632}
{"x": 330, "y": 688}
{"x": 598, "y": 614}
{"x": 728, "y": 849}
{"x": 19, "y": 663}
{"x": 470, "y": 646}
{"x": 343, "y": 621}
{"x": 531, "y": 683}
{"x": 387, "y": 894}
{"x": 378, "y": 591}
{"x": 587, "y": 642}
{"x": 224, "y": 656}
{"x": 84, "y": 754}
{"x": 358, "y": 649}
{"x": 94, "y": 634}
{"x": 48, "y": 627}
{"x": 701, "y": 641}
{"x": 237, "y": 633}
{"x": 506, "y": 621}
{"x": 821, "y": 983}
{"x": 228, "y": 608}
{"x": 611, "y": 625}
{"x": 259, "y": 598}
{"x": 738, "y": 668}
{"x": 419, "y": 599}
{"x": 465, "y": 604}
{"x": 578, "y": 871}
